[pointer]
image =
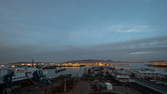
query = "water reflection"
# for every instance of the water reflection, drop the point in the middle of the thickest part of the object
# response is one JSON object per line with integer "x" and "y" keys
{"x": 74, "y": 71}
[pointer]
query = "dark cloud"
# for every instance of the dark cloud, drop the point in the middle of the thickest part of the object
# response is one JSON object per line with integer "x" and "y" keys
{"x": 138, "y": 50}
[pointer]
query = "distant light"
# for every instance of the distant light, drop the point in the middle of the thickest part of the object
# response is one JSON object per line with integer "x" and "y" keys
{"x": 2, "y": 65}
{"x": 13, "y": 66}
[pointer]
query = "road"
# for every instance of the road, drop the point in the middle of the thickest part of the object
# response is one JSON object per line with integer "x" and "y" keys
{"x": 81, "y": 88}
{"x": 154, "y": 86}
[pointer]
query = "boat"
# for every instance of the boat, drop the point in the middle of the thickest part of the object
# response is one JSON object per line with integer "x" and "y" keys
{"x": 15, "y": 77}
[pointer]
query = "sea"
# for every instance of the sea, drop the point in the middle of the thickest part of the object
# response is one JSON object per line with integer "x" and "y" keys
{"x": 79, "y": 71}
{"x": 74, "y": 71}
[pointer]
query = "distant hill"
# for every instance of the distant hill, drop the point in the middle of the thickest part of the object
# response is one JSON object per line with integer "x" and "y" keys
{"x": 86, "y": 61}
{"x": 89, "y": 61}
{"x": 102, "y": 61}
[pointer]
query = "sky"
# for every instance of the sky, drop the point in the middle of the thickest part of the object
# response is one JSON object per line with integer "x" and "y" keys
{"x": 61, "y": 30}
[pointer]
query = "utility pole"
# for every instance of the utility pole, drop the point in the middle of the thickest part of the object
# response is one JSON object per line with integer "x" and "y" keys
{"x": 65, "y": 87}
{"x": 32, "y": 62}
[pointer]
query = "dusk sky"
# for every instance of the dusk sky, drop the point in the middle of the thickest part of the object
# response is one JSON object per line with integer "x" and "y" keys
{"x": 61, "y": 30}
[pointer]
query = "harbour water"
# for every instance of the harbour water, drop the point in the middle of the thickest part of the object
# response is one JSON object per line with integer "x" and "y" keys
{"x": 142, "y": 66}
{"x": 79, "y": 71}
{"x": 74, "y": 71}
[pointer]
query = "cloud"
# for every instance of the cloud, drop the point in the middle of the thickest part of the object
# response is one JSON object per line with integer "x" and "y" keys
{"x": 137, "y": 50}
{"x": 130, "y": 28}
{"x": 14, "y": 49}
{"x": 140, "y": 53}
